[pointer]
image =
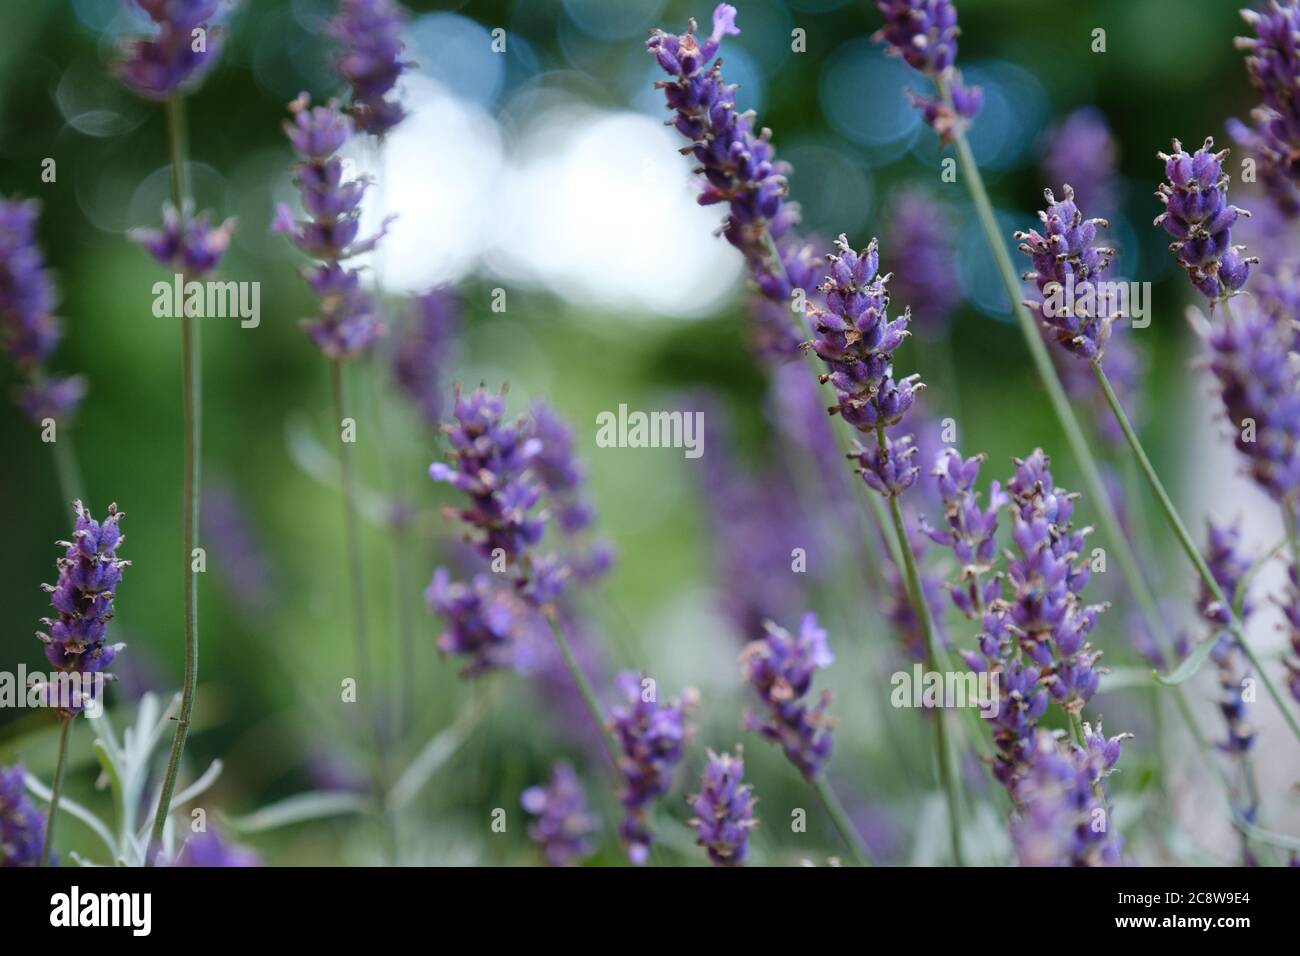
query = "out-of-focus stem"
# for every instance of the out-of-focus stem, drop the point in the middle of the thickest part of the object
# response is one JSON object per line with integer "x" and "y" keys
{"x": 840, "y": 817}
{"x": 192, "y": 388}
{"x": 584, "y": 688}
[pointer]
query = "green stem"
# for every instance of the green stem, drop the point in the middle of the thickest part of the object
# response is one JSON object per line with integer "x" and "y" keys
{"x": 56, "y": 790}
{"x": 191, "y": 387}
{"x": 916, "y": 595}
{"x": 67, "y": 470}
{"x": 584, "y": 688}
{"x": 1189, "y": 546}
{"x": 840, "y": 817}
{"x": 352, "y": 533}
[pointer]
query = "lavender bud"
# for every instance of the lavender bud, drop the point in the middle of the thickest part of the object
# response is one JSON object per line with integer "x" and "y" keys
{"x": 185, "y": 242}
{"x": 652, "y": 740}
{"x": 724, "y": 810}
{"x": 176, "y": 57}
{"x": 924, "y": 34}
{"x": 1198, "y": 216}
{"x": 1067, "y": 259}
{"x": 481, "y": 621}
{"x": 492, "y": 464}
{"x": 564, "y": 825}
{"x": 780, "y": 667}
{"x": 370, "y": 32}
{"x": 971, "y": 531}
{"x": 1229, "y": 567}
{"x": 423, "y": 351}
{"x": 89, "y": 573}
{"x": 22, "y": 833}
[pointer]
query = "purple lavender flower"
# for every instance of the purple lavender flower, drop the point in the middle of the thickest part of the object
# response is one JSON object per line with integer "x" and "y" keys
{"x": 56, "y": 397}
{"x": 780, "y": 667}
{"x": 1273, "y": 64}
{"x": 174, "y": 58}
{"x": 1067, "y": 262}
{"x": 234, "y": 543}
{"x": 22, "y": 834}
{"x": 492, "y": 464}
{"x": 1260, "y": 389}
{"x": 348, "y": 323}
{"x": 921, "y": 229}
{"x": 1082, "y": 152}
{"x": 652, "y": 740}
{"x": 1229, "y": 566}
{"x": 185, "y": 242}
{"x": 370, "y": 32}
{"x": 1047, "y": 576}
{"x": 423, "y": 351}
{"x": 856, "y": 339}
{"x": 1062, "y": 818}
{"x": 739, "y": 167}
{"x": 564, "y": 825}
{"x": 724, "y": 810}
{"x": 924, "y": 34}
{"x": 89, "y": 573}
{"x": 211, "y": 849}
{"x": 970, "y": 532}
{"x": 27, "y": 299}
{"x": 1197, "y": 214}
{"x": 482, "y": 621}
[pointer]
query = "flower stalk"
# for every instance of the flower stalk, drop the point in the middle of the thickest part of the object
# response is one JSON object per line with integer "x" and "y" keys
{"x": 56, "y": 790}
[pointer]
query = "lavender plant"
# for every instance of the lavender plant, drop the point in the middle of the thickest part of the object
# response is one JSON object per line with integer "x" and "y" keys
{"x": 1273, "y": 65}
{"x": 164, "y": 67}
{"x": 724, "y": 809}
{"x": 651, "y": 741}
{"x": 421, "y": 356}
{"x": 563, "y": 825}
{"x": 75, "y": 642}
{"x": 20, "y": 823}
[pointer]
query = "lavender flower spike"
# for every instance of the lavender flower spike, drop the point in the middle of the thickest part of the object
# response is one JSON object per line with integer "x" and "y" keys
{"x": 564, "y": 825}
{"x": 780, "y": 667}
{"x": 924, "y": 34}
{"x": 1067, "y": 262}
{"x": 1273, "y": 64}
{"x": 186, "y": 242}
{"x": 491, "y": 463}
{"x": 174, "y": 58}
{"x": 652, "y": 740}
{"x": 971, "y": 531}
{"x": 423, "y": 352}
{"x": 89, "y": 573}
{"x": 370, "y": 31}
{"x": 1229, "y": 566}
{"x": 1197, "y": 214}
{"x": 481, "y": 622}
{"x": 22, "y": 833}
{"x": 925, "y": 277}
{"x": 347, "y": 324}
{"x": 724, "y": 810}
{"x": 1083, "y": 152}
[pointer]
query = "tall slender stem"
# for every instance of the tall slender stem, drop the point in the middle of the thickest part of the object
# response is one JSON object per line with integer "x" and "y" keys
{"x": 356, "y": 579}
{"x": 840, "y": 817}
{"x": 916, "y": 595}
{"x": 67, "y": 470}
{"x": 584, "y": 688}
{"x": 1189, "y": 546}
{"x": 191, "y": 387}
{"x": 56, "y": 790}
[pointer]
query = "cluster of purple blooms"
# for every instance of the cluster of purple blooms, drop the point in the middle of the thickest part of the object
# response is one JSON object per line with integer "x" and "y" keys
{"x": 856, "y": 338}
{"x": 739, "y": 167}
{"x": 422, "y": 352}
{"x": 1200, "y": 218}
{"x": 186, "y": 242}
{"x": 1062, "y": 818}
{"x": 724, "y": 809}
{"x": 781, "y": 667}
{"x": 89, "y": 573}
{"x": 348, "y": 321}
{"x": 923, "y": 33}
{"x": 211, "y": 850}
{"x": 921, "y": 230}
{"x": 1229, "y": 567}
{"x": 175, "y": 57}
{"x": 564, "y": 825}
{"x": 1067, "y": 259}
{"x": 652, "y": 740}
{"x": 28, "y": 327}
{"x": 370, "y": 34}
{"x": 1273, "y": 64}
{"x": 481, "y": 621}
{"x": 21, "y": 831}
